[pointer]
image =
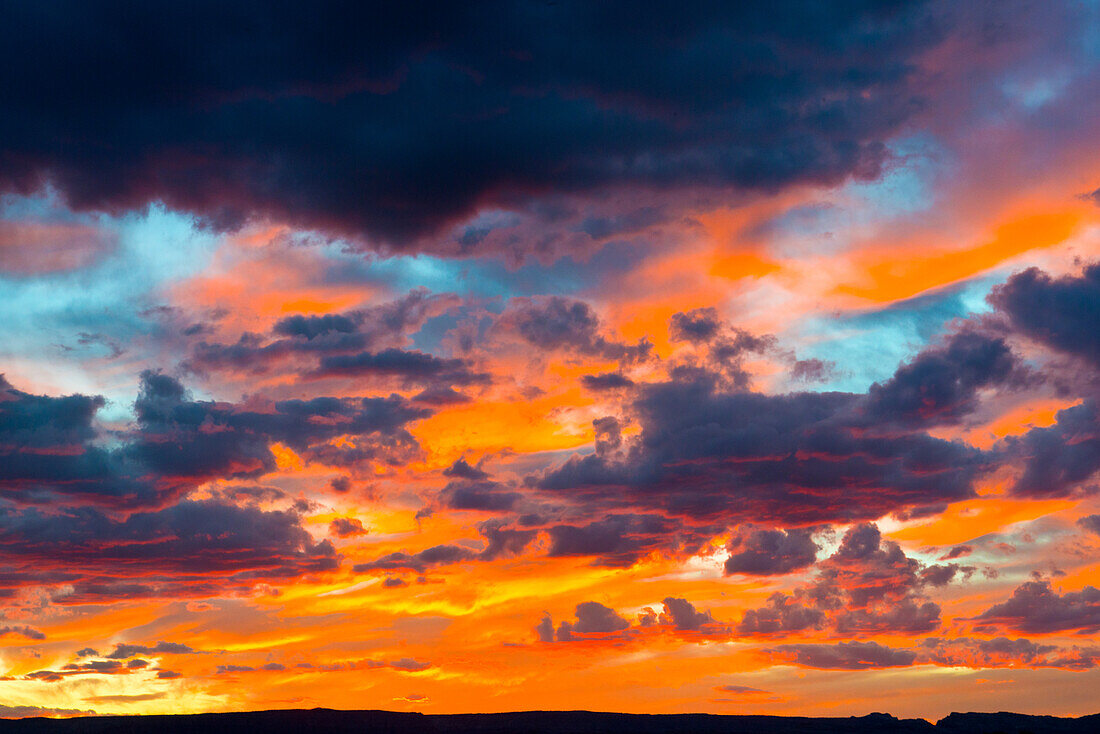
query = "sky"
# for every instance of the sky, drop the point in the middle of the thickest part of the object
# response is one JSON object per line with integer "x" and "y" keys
{"x": 494, "y": 356}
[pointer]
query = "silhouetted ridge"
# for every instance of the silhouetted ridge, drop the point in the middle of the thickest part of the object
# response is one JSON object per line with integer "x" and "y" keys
{"x": 328, "y": 721}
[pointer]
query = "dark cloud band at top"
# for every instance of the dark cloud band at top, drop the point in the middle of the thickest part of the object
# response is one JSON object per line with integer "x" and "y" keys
{"x": 389, "y": 122}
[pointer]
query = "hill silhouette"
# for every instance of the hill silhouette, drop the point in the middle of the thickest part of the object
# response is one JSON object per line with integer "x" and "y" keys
{"x": 328, "y": 721}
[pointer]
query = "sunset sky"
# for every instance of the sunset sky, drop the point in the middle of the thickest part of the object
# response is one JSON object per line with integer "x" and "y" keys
{"x": 493, "y": 356}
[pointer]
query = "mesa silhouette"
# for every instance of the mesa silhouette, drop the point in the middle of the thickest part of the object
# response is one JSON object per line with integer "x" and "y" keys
{"x": 328, "y": 721}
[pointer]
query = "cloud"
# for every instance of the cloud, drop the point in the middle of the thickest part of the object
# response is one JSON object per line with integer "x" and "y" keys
{"x": 367, "y": 341}
{"x": 763, "y": 552}
{"x": 739, "y": 690}
{"x": 868, "y": 586}
{"x": 844, "y": 656}
{"x": 1035, "y": 607}
{"x": 460, "y": 469}
{"x": 1059, "y": 312}
{"x": 49, "y": 445}
{"x": 1002, "y": 652}
{"x": 618, "y": 540}
{"x": 697, "y": 325}
{"x": 558, "y": 323}
{"x": 440, "y": 555}
{"x": 682, "y": 615}
{"x": 27, "y": 712}
{"x": 410, "y": 367}
{"x": 593, "y": 620}
{"x": 781, "y": 615}
{"x": 503, "y": 542}
{"x": 146, "y": 552}
{"x": 606, "y": 381}
{"x": 709, "y": 454}
{"x": 479, "y": 495}
{"x": 1090, "y": 523}
{"x": 959, "y": 652}
{"x": 30, "y": 247}
{"x": 344, "y": 527}
{"x": 596, "y": 622}
{"x": 812, "y": 370}
{"x": 1058, "y": 460}
{"x": 263, "y": 113}
{"x": 500, "y": 542}
{"x": 941, "y": 384}
{"x": 21, "y": 629}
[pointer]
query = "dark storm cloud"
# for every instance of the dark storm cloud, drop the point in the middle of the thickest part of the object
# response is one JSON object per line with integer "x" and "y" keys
{"x": 620, "y": 540}
{"x": 941, "y": 384}
{"x": 803, "y": 458}
{"x": 391, "y": 121}
{"x": 49, "y": 446}
{"x": 479, "y": 495}
{"x": 189, "y": 539}
{"x": 554, "y": 322}
{"x": 411, "y": 367}
{"x": 46, "y": 449}
{"x": 763, "y": 552}
{"x": 845, "y": 656}
{"x": 1059, "y": 459}
{"x": 1035, "y": 607}
{"x": 179, "y": 437}
{"x": 1059, "y": 312}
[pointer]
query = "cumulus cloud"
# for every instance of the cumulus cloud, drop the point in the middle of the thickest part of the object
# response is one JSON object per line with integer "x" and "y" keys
{"x": 764, "y": 552}
{"x": 868, "y": 586}
{"x": 1035, "y": 607}
{"x": 682, "y": 615}
{"x": 593, "y": 620}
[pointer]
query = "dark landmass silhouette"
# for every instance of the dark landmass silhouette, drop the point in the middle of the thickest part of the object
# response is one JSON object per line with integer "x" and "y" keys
{"x": 328, "y": 721}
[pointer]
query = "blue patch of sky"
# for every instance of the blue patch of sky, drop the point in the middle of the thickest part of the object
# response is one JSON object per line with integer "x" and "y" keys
{"x": 43, "y": 317}
{"x": 867, "y": 346}
{"x": 907, "y": 188}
